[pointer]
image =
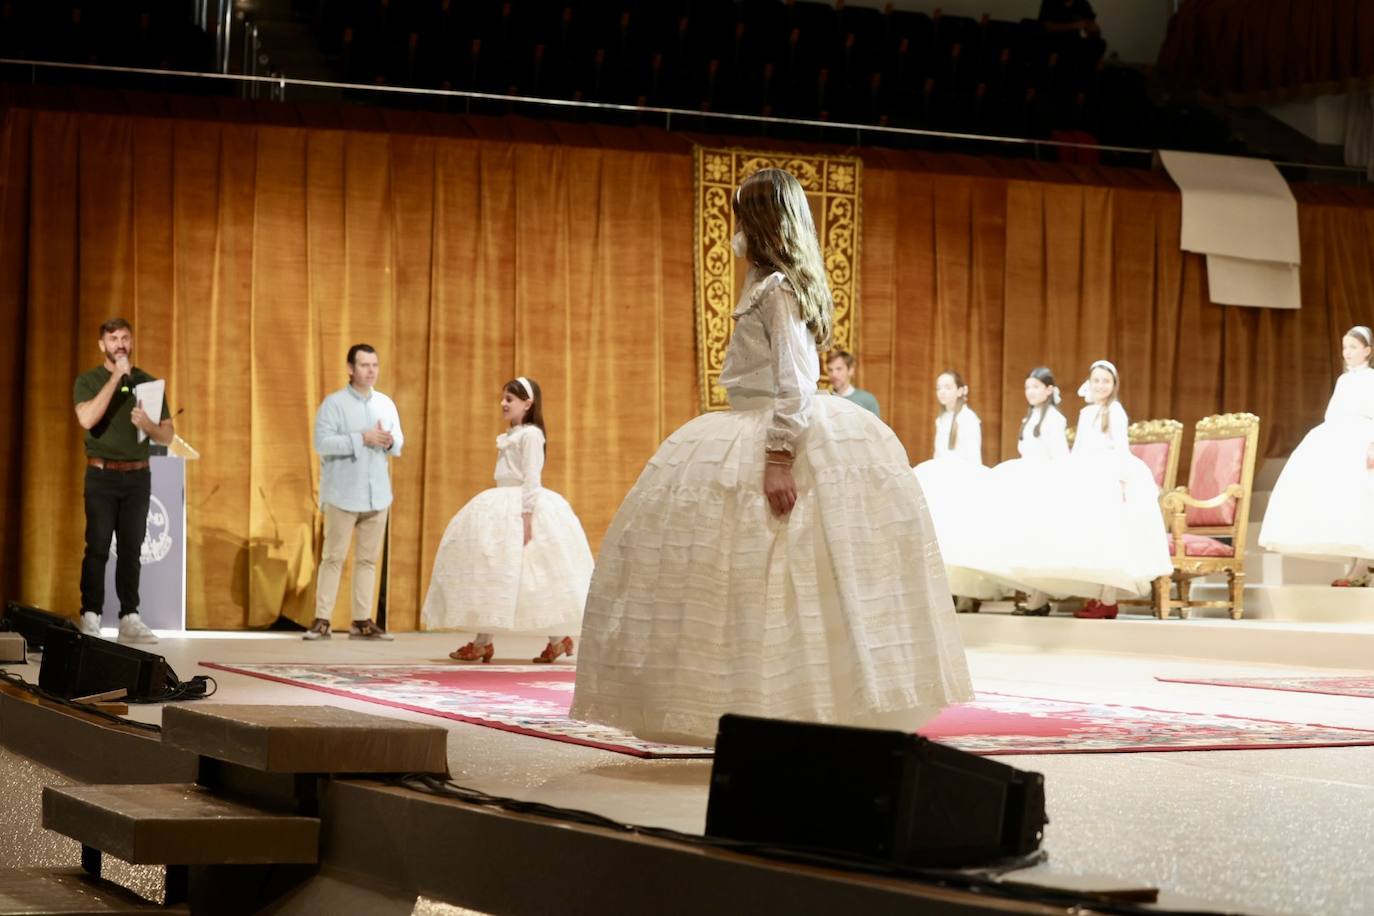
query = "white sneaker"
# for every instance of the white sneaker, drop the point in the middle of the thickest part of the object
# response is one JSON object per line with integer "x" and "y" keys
{"x": 133, "y": 631}
{"x": 90, "y": 624}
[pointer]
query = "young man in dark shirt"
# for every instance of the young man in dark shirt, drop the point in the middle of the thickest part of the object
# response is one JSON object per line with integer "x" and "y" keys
{"x": 118, "y": 480}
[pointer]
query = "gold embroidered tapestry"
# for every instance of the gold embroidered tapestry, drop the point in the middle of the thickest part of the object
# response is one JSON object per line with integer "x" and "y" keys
{"x": 832, "y": 185}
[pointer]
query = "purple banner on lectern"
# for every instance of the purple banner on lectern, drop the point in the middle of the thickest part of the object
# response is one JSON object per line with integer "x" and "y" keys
{"x": 162, "y": 585}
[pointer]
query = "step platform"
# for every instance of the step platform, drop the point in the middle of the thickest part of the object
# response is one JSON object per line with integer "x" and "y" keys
{"x": 306, "y": 739}
{"x": 1317, "y": 645}
{"x": 69, "y": 892}
{"x": 177, "y": 824}
{"x": 1292, "y": 603}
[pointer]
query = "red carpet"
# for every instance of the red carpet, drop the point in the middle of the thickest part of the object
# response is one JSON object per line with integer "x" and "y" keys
{"x": 1348, "y": 686}
{"x": 534, "y": 700}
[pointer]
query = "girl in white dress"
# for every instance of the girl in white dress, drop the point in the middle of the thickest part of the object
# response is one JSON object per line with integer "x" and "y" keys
{"x": 515, "y": 557}
{"x": 776, "y": 559}
{"x": 958, "y": 431}
{"x": 955, "y": 484}
{"x": 1105, "y": 533}
{"x": 1023, "y": 491}
{"x": 1323, "y": 502}
{"x": 1044, "y": 428}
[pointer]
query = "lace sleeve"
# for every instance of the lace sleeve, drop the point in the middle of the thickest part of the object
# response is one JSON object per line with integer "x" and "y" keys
{"x": 531, "y": 467}
{"x": 793, "y": 350}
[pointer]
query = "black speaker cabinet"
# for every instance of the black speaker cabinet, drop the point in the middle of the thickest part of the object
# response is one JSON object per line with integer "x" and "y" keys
{"x": 869, "y": 793}
{"x": 75, "y": 665}
{"x": 32, "y": 623}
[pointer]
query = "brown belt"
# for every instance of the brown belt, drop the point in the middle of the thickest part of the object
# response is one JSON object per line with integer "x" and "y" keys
{"x": 116, "y": 465}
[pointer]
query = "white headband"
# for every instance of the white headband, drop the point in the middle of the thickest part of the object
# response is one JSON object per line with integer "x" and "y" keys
{"x": 1083, "y": 389}
{"x": 1365, "y": 333}
{"x": 525, "y": 384}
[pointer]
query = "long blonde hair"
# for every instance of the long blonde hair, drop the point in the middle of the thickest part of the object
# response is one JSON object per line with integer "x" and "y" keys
{"x": 772, "y": 212}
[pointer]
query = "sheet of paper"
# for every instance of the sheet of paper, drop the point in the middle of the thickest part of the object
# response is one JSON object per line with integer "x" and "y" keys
{"x": 149, "y": 394}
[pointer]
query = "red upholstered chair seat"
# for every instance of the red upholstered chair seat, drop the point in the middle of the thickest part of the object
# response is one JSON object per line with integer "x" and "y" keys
{"x": 1156, "y": 458}
{"x": 1196, "y": 545}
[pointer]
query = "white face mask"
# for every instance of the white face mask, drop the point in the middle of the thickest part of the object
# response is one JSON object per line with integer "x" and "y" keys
{"x": 738, "y": 244}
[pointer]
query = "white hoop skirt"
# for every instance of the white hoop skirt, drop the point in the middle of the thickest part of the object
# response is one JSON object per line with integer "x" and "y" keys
{"x": 1015, "y": 499}
{"x": 1102, "y": 528}
{"x": 486, "y": 579}
{"x": 703, "y": 602}
{"x": 958, "y": 493}
{"x": 1323, "y": 502}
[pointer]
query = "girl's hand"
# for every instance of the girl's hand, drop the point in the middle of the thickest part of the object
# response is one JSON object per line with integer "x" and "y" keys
{"x": 529, "y": 526}
{"x": 779, "y": 487}
{"x": 1369, "y": 456}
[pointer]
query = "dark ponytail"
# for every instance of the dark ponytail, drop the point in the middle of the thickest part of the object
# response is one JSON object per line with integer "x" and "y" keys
{"x": 1043, "y": 375}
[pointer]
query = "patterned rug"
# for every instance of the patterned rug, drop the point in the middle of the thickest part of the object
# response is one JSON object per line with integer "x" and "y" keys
{"x": 534, "y": 700}
{"x": 1348, "y": 686}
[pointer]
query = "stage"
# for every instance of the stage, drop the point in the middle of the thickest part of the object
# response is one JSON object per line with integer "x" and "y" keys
{"x": 1258, "y": 831}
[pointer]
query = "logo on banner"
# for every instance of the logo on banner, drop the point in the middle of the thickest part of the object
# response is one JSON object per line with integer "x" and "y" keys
{"x": 157, "y": 539}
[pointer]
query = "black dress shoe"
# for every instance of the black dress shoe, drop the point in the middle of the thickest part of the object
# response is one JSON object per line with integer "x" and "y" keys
{"x": 1041, "y": 611}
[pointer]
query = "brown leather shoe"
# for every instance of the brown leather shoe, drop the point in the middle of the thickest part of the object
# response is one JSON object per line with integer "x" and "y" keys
{"x": 366, "y": 629}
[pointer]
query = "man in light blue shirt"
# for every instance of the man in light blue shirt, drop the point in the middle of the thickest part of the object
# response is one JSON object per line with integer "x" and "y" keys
{"x": 357, "y": 432}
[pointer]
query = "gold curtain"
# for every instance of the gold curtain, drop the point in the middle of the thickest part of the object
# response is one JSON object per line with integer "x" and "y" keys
{"x": 249, "y": 256}
{"x": 992, "y": 276}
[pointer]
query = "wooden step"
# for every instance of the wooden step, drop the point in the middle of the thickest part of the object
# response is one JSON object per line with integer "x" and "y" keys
{"x": 68, "y": 892}
{"x": 306, "y": 739}
{"x": 177, "y": 824}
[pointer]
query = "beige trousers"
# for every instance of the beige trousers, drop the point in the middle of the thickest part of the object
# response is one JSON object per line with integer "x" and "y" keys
{"x": 339, "y": 525}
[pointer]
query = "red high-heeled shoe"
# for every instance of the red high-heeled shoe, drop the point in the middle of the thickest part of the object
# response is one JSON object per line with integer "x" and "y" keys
{"x": 1096, "y": 610}
{"x": 553, "y": 650}
{"x": 473, "y": 653}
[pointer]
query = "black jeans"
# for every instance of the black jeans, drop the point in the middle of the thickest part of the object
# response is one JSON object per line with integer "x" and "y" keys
{"x": 116, "y": 504}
